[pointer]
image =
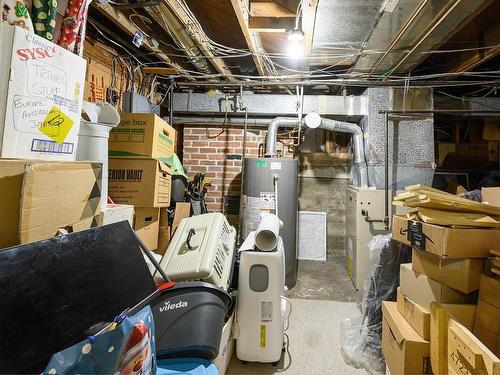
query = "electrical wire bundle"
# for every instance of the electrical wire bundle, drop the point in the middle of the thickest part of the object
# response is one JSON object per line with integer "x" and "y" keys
{"x": 322, "y": 75}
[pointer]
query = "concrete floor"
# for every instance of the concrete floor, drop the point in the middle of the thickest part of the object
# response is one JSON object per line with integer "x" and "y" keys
{"x": 324, "y": 281}
{"x": 323, "y": 296}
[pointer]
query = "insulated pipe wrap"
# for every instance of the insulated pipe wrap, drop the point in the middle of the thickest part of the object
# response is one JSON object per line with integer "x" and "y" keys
{"x": 313, "y": 120}
{"x": 272, "y": 132}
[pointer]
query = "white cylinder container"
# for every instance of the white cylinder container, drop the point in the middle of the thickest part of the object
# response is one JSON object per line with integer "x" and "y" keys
{"x": 93, "y": 140}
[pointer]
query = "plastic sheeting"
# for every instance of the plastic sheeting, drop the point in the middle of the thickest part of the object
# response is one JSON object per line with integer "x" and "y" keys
{"x": 361, "y": 336}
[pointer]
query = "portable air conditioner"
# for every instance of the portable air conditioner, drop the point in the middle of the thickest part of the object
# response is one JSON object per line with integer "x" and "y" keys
{"x": 202, "y": 248}
{"x": 260, "y": 313}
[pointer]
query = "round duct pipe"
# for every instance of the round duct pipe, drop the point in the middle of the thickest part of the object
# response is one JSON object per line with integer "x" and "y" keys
{"x": 313, "y": 121}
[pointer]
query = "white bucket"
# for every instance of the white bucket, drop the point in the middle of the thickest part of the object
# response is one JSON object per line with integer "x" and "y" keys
{"x": 93, "y": 146}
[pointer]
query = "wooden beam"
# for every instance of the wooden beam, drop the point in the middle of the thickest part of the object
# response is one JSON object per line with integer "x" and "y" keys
{"x": 489, "y": 37}
{"x": 269, "y": 9}
{"x": 253, "y": 40}
{"x": 179, "y": 12}
{"x": 160, "y": 71}
{"x": 122, "y": 21}
{"x": 464, "y": 12}
{"x": 308, "y": 22}
{"x": 271, "y": 24}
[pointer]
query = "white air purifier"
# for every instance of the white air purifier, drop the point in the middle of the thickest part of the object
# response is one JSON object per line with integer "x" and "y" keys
{"x": 260, "y": 313}
{"x": 202, "y": 248}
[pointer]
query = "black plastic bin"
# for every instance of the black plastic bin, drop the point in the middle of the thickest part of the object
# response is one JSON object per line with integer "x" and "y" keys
{"x": 189, "y": 318}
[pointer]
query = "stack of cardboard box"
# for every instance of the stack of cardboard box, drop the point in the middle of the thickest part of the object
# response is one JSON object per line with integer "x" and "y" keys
{"x": 439, "y": 285}
{"x": 141, "y": 148}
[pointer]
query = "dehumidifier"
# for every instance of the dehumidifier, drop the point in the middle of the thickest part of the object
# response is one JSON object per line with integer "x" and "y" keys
{"x": 202, "y": 248}
{"x": 260, "y": 313}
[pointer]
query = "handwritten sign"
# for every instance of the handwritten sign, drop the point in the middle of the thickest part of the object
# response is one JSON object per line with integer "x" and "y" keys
{"x": 29, "y": 112}
{"x": 46, "y": 80}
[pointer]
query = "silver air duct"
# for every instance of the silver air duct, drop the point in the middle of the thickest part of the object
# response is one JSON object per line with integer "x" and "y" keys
{"x": 272, "y": 132}
{"x": 313, "y": 121}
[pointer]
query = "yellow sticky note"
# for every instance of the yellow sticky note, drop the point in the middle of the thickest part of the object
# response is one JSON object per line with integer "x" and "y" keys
{"x": 56, "y": 125}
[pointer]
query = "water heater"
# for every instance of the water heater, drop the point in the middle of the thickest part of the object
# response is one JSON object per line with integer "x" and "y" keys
{"x": 271, "y": 183}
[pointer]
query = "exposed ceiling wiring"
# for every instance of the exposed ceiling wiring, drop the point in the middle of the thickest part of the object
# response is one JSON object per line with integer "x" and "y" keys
{"x": 271, "y": 66}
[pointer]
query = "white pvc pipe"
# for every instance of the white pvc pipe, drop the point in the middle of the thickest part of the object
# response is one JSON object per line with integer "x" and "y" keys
{"x": 268, "y": 231}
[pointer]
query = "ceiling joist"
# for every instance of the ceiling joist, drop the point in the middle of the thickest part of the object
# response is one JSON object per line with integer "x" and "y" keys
{"x": 121, "y": 20}
{"x": 309, "y": 8}
{"x": 489, "y": 37}
{"x": 270, "y": 9}
{"x": 271, "y": 24}
{"x": 252, "y": 39}
{"x": 218, "y": 63}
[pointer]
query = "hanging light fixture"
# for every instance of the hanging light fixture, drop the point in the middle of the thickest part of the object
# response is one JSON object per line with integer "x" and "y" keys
{"x": 296, "y": 35}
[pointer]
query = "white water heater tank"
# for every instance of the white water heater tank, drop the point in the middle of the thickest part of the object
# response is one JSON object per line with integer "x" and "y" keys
{"x": 260, "y": 313}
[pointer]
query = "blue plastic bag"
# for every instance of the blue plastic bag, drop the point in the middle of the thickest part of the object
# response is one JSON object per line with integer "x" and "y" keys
{"x": 127, "y": 349}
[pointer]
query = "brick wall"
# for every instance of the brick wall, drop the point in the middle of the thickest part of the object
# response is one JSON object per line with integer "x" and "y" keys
{"x": 218, "y": 155}
{"x": 322, "y": 183}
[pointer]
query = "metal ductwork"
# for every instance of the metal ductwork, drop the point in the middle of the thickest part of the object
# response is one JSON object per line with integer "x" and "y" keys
{"x": 272, "y": 132}
{"x": 313, "y": 121}
{"x": 218, "y": 120}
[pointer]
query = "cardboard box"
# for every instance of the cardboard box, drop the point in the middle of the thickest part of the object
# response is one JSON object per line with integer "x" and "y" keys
{"x": 140, "y": 182}
{"x": 41, "y": 92}
{"x": 489, "y": 339}
{"x": 488, "y": 316}
{"x": 39, "y": 198}
{"x": 142, "y": 135}
{"x": 164, "y": 233}
{"x": 468, "y": 355}
{"x": 489, "y": 290}
{"x": 461, "y": 274}
{"x": 440, "y": 316}
{"x": 491, "y": 195}
{"x": 445, "y": 241}
{"x": 163, "y": 240}
{"x": 114, "y": 213}
{"x": 226, "y": 348}
{"x": 147, "y": 224}
{"x": 487, "y": 319}
{"x": 404, "y": 350}
{"x": 416, "y": 315}
{"x": 423, "y": 290}
{"x": 182, "y": 211}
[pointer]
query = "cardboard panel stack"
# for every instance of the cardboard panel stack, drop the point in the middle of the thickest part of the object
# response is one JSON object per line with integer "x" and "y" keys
{"x": 141, "y": 149}
{"x": 451, "y": 238}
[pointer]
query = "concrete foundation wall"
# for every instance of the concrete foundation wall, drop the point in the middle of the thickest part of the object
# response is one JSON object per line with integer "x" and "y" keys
{"x": 328, "y": 195}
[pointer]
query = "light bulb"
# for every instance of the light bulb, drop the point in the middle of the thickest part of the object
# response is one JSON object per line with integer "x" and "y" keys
{"x": 295, "y": 35}
{"x": 295, "y": 50}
